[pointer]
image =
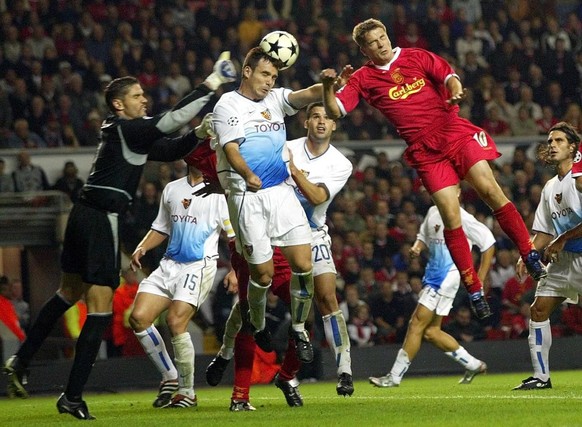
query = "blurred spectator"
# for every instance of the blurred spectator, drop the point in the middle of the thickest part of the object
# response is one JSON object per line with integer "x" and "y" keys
{"x": 39, "y": 41}
{"x": 555, "y": 99}
{"x": 573, "y": 116}
{"x": 69, "y": 182}
{"x": 351, "y": 301}
{"x": 552, "y": 34}
{"x": 472, "y": 9}
{"x": 469, "y": 43}
{"x": 8, "y": 314}
{"x": 442, "y": 42}
{"x": 526, "y": 100}
{"x": 502, "y": 271}
{"x": 138, "y": 222}
{"x": 21, "y": 307}
{"x": 123, "y": 337}
{"x": 28, "y": 177}
{"x": 6, "y": 181}
{"x": 250, "y": 29}
{"x": 572, "y": 318}
{"x": 464, "y": 328}
{"x": 473, "y": 70}
{"x": 384, "y": 311}
{"x": 354, "y": 221}
{"x": 523, "y": 124}
{"x": 19, "y": 99}
{"x": 361, "y": 328}
{"x": 178, "y": 83}
{"x": 559, "y": 64}
{"x": 412, "y": 37}
{"x": 494, "y": 123}
{"x": 513, "y": 292}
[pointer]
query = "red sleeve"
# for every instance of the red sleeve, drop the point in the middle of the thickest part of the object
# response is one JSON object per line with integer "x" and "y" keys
{"x": 577, "y": 165}
{"x": 9, "y": 317}
{"x": 350, "y": 94}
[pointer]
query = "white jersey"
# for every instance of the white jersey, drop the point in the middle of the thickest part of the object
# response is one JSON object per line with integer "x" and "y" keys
{"x": 193, "y": 223}
{"x": 440, "y": 262}
{"x": 259, "y": 129}
{"x": 560, "y": 209}
{"x": 331, "y": 168}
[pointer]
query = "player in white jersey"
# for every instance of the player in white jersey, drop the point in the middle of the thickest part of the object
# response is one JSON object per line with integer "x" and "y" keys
{"x": 249, "y": 123}
{"x": 558, "y": 230}
{"x": 318, "y": 172}
{"x": 181, "y": 283}
{"x": 441, "y": 281}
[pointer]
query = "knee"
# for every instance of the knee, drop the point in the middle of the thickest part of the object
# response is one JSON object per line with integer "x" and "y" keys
{"x": 537, "y": 314}
{"x": 430, "y": 334}
{"x": 138, "y": 322}
{"x": 326, "y": 304}
{"x": 176, "y": 323}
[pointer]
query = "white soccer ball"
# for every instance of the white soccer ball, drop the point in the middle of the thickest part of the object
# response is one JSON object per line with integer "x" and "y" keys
{"x": 281, "y": 45}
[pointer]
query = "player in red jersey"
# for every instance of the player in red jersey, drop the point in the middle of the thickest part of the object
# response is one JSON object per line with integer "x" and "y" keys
{"x": 419, "y": 93}
{"x": 239, "y": 332}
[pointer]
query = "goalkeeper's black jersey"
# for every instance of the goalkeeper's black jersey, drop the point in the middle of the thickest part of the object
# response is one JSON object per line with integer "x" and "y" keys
{"x": 125, "y": 147}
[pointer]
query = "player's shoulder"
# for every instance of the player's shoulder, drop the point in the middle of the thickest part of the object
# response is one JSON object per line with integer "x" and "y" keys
{"x": 229, "y": 99}
{"x": 294, "y": 144}
{"x": 339, "y": 157}
{"x": 177, "y": 184}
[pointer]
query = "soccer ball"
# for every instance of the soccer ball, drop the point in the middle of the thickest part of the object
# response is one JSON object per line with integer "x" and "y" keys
{"x": 281, "y": 45}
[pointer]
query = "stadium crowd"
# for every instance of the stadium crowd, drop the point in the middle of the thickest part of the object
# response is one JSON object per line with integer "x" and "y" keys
{"x": 521, "y": 61}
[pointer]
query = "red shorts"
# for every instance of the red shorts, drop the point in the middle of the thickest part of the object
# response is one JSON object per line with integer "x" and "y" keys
{"x": 442, "y": 161}
{"x": 281, "y": 278}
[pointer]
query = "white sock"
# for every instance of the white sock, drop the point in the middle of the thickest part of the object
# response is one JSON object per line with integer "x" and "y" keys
{"x": 540, "y": 342}
{"x": 155, "y": 348}
{"x": 336, "y": 333}
{"x": 400, "y": 366}
{"x": 257, "y": 296}
{"x": 463, "y": 357}
{"x": 184, "y": 357}
{"x": 233, "y": 325}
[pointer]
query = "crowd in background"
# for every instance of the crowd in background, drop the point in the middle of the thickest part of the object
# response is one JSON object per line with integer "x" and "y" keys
{"x": 521, "y": 61}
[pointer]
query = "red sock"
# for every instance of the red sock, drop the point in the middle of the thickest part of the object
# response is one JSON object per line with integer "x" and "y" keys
{"x": 512, "y": 224}
{"x": 244, "y": 356}
{"x": 461, "y": 253}
{"x": 291, "y": 363}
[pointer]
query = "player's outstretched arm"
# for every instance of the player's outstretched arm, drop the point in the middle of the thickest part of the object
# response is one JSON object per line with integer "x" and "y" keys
{"x": 328, "y": 79}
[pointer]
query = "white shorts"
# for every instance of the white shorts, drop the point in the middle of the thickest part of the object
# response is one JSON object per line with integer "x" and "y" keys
{"x": 189, "y": 282}
{"x": 564, "y": 278}
{"x": 435, "y": 302}
{"x": 267, "y": 218}
{"x": 321, "y": 253}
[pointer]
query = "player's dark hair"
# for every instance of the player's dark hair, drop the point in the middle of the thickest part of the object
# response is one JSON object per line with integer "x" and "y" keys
{"x": 571, "y": 135}
{"x": 256, "y": 54}
{"x": 312, "y": 106}
{"x": 570, "y": 131}
{"x": 117, "y": 89}
{"x": 360, "y": 30}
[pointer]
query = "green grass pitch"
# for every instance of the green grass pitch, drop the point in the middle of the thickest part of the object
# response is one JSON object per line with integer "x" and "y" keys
{"x": 419, "y": 401}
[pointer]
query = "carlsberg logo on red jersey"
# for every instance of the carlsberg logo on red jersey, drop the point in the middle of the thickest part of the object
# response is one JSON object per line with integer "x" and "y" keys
{"x": 407, "y": 89}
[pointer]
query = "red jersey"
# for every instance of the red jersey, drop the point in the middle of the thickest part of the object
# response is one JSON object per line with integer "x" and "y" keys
{"x": 410, "y": 91}
{"x": 577, "y": 165}
{"x": 203, "y": 158}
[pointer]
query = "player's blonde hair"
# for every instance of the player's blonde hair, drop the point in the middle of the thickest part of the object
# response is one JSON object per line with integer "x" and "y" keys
{"x": 361, "y": 29}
